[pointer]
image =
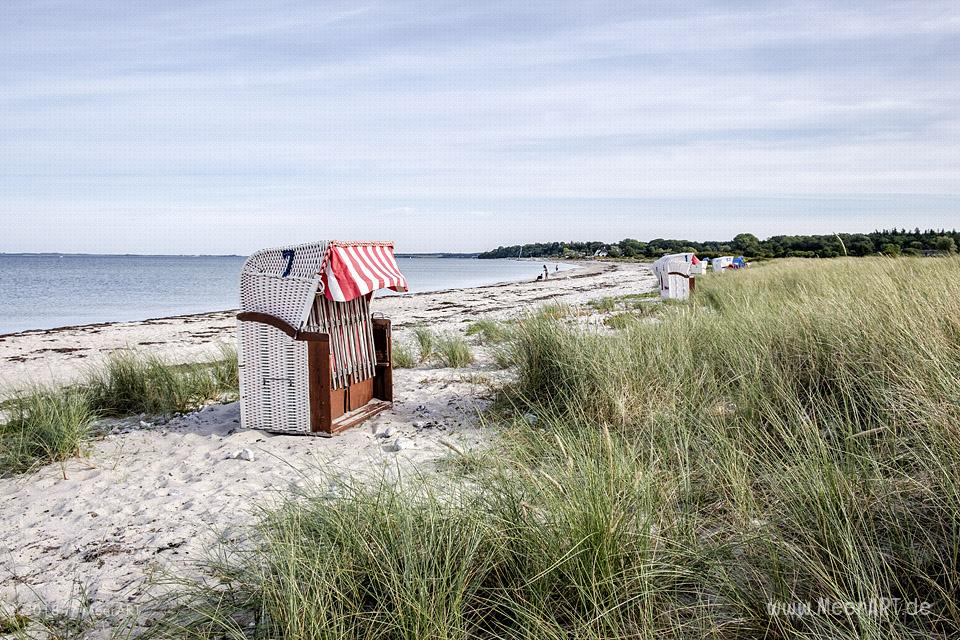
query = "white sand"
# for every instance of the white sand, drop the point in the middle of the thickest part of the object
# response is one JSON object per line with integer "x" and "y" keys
{"x": 151, "y": 499}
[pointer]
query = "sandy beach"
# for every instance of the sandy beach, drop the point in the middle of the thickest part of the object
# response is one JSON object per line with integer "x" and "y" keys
{"x": 152, "y": 497}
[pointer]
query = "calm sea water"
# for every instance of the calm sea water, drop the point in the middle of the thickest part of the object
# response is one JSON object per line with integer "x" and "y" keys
{"x": 42, "y": 292}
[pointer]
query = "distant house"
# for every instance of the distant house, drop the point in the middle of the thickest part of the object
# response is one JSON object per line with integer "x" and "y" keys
{"x": 600, "y": 253}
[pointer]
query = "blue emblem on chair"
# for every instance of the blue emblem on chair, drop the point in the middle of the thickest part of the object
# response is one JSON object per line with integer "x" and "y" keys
{"x": 288, "y": 254}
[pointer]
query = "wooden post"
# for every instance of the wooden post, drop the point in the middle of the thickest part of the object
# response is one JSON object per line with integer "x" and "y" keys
{"x": 318, "y": 365}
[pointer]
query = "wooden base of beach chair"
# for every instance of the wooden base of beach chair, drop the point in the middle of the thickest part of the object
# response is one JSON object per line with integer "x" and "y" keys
{"x": 330, "y": 410}
{"x": 339, "y": 409}
{"x": 355, "y": 417}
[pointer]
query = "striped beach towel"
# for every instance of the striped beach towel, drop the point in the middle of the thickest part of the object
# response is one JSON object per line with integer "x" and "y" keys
{"x": 354, "y": 269}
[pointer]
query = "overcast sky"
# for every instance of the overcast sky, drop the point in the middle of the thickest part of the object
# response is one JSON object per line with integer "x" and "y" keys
{"x": 223, "y": 127}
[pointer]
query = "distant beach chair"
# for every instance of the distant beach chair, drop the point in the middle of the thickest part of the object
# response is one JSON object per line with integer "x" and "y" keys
{"x": 673, "y": 274}
{"x": 722, "y": 263}
{"x": 313, "y": 360}
{"x": 697, "y": 266}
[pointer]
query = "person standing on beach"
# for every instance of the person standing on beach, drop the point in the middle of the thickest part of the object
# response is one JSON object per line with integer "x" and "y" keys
{"x": 546, "y": 272}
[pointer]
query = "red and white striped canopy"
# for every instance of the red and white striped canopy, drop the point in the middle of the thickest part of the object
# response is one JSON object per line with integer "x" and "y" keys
{"x": 354, "y": 269}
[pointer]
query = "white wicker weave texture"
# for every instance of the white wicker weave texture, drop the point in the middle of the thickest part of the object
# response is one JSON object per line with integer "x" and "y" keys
{"x": 274, "y": 384}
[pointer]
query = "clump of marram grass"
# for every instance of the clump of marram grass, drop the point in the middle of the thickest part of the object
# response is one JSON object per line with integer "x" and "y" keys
{"x": 554, "y": 311}
{"x": 488, "y": 331}
{"x": 403, "y": 355}
{"x": 620, "y": 320}
{"x": 452, "y": 350}
{"x": 503, "y": 356}
{"x": 225, "y": 370}
{"x": 130, "y": 383}
{"x": 605, "y": 304}
{"x": 788, "y": 436}
{"x": 52, "y": 424}
{"x": 532, "y": 554}
{"x": 426, "y": 342}
{"x": 43, "y": 425}
{"x": 355, "y": 568}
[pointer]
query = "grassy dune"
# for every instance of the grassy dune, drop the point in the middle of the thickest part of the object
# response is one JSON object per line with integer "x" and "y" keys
{"x": 797, "y": 423}
{"x": 790, "y": 436}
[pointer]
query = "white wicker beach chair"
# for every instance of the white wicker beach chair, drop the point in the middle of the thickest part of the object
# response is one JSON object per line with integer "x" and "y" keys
{"x": 673, "y": 274}
{"x": 312, "y": 358}
{"x": 722, "y": 263}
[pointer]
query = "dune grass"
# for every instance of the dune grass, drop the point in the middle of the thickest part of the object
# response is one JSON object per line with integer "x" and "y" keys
{"x": 605, "y": 304}
{"x": 403, "y": 355}
{"x": 503, "y": 355}
{"x": 426, "y": 342}
{"x": 805, "y": 414}
{"x": 51, "y": 424}
{"x": 554, "y": 311}
{"x": 452, "y": 350}
{"x": 488, "y": 331}
{"x": 130, "y": 383}
{"x": 445, "y": 349}
{"x": 44, "y": 425}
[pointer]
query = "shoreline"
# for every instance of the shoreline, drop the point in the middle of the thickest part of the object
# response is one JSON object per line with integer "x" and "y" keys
{"x": 234, "y": 310}
{"x": 60, "y": 355}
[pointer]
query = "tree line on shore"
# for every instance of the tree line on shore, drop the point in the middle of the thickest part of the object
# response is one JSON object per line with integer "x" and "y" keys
{"x": 889, "y": 242}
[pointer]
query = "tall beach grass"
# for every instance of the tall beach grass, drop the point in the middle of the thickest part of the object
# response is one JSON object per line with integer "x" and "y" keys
{"x": 452, "y": 350}
{"x": 808, "y": 412}
{"x": 44, "y": 425}
{"x": 50, "y": 424}
{"x": 403, "y": 355}
{"x": 426, "y": 341}
{"x": 489, "y": 331}
{"x": 130, "y": 382}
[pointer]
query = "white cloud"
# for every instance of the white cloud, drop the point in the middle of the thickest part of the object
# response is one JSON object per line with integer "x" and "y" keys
{"x": 231, "y": 114}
